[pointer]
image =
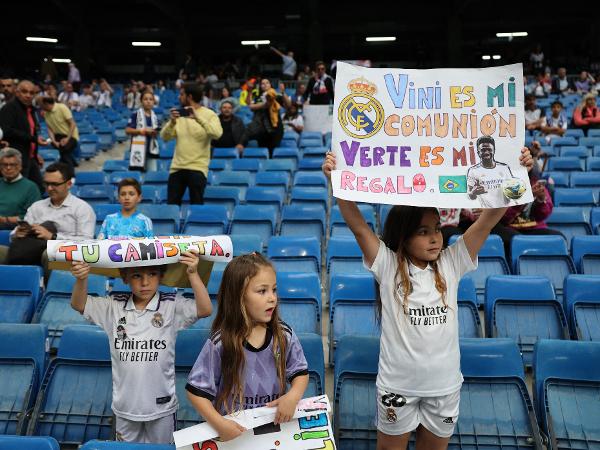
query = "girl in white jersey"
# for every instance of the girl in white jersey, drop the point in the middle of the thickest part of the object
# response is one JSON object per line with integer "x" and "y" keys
{"x": 419, "y": 378}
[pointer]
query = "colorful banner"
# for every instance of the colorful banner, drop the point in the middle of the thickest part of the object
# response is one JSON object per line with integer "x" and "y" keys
{"x": 310, "y": 429}
{"x": 107, "y": 256}
{"x": 439, "y": 137}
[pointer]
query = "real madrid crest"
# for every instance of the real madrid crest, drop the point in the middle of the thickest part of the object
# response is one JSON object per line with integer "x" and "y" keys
{"x": 157, "y": 320}
{"x": 121, "y": 333}
{"x": 391, "y": 415}
{"x": 360, "y": 114}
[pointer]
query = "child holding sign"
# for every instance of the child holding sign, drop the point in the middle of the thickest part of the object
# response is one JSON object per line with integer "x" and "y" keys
{"x": 251, "y": 353}
{"x": 142, "y": 327}
{"x": 419, "y": 378}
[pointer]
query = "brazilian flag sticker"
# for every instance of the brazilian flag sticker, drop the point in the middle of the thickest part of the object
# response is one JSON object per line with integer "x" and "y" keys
{"x": 453, "y": 184}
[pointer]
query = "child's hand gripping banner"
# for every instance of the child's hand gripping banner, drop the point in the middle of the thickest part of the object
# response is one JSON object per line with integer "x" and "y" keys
{"x": 439, "y": 137}
{"x": 107, "y": 256}
{"x": 310, "y": 429}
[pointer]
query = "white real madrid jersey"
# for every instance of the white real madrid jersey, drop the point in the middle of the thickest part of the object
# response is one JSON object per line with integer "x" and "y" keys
{"x": 491, "y": 179}
{"x": 142, "y": 348}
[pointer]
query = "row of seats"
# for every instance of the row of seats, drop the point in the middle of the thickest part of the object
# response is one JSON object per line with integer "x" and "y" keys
{"x": 49, "y": 443}
{"x": 574, "y": 163}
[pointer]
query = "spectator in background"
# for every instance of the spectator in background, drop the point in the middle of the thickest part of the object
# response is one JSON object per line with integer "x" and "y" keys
{"x": 266, "y": 126}
{"x": 60, "y": 216}
{"x": 533, "y": 114}
{"x": 212, "y": 77}
{"x": 292, "y": 119}
{"x": 306, "y": 74}
{"x": 289, "y": 66}
{"x": 193, "y": 131}
{"x": 561, "y": 84}
{"x": 62, "y": 129}
{"x": 69, "y": 97}
{"x": 17, "y": 193}
{"x": 105, "y": 95}
{"x": 74, "y": 77}
{"x": 587, "y": 114}
{"x": 160, "y": 86}
{"x": 133, "y": 99}
{"x": 87, "y": 99}
{"x": 584, "y": 83}
{"x": 554, "y": 124}
{"x": 227, "y": 97}
{"x": 536, "y": 58}
{"x": 233, "y": 128}
{"x": 7, "y": 90}
{"x": 50, "y": 91}
{"x": 127, "y": 223}
{"x": 542, "y": 87}
{"x": 249, "y": 92}
{"x": 144, "y": 122}
{"x": 20, "y": 127}
{"x": 529, "y": 85}
{"x": 320, "y": 88}
{"x": 299, "y": 97}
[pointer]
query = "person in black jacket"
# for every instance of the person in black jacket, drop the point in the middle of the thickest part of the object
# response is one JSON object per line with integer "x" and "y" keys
{"x": 20, "y": 127}
{"x": 320, "y": 88}
{"x": 233, "y": 128}
{"x": 561, "y": 84}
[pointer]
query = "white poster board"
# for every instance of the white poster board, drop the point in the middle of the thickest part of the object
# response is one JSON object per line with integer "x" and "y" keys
{"x": 317, "y": 118}
{"x": 405, "y": 136}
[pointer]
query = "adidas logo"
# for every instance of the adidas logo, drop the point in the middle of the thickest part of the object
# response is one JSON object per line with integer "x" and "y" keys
{"x": 448, "y": 420}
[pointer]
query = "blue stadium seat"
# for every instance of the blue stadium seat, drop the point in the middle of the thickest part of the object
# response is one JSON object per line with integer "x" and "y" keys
{"x": 240, "y": 179}
{"x": 114, "y": 445}
{"x": 570, "y": 163}
{"x": 595, "y": 220}
{"x": 95, "y": 194}
{"x": 216, "y": 165}
{"x": 89, "y": 178}
{"x": 579, "y": 151}
{"x": 567, "y": 392}
{"x": 355, "y": 393}
{"x": 206, "y": 220}
{"x": 596, "y": 151}
{"x": 116, "y": 176}
{"x": 230, "y": 196}
{"x": 574, "y": 197}
{"x": 266, "y": 195}
{"x": 574, "y": 132}
{"x": 22, "y": 363}
{"x": 248, "y": 219}
{"x": 286, "y": 153}
{"x": 561, "y": 179}
{"x": 225, "y": 153}
{"x": 344, "y": 256}
{"x": 589, "y": 141}
{"x": 593, "y": 133}
{"x": 582, "y": 305}
{"x": 468, "y": 315}
{"x": 567, "y": 140}
{"x": 300, "y": 300}
{"x": 151, "y": 194}
{"x": 28, "y": 443}
{"x": 337, "y": 224}
{"x": 314, "y": 152}
{"x": 246, "y": 243}
{"x": 295, "y": 253}
{"x": 54, "y": 310}
{"x": 310, "y": 179}
{"x": 163, "y": 164}
{"x": 351, "y": 307}
{"x": 5, "y": 237}
{"x": 586, "y": 179}
{"x": 102, "y": 210}
{"x": 165, "y": 220}
{"x": 246, "y": 164}
{"x": 112, "y": 165}
{"x": 548, "y": 255}
{"x": 496, "y": 411}
{"x": 291, "y": 136}
{"x": 570, "y": 221}
{"x": 187, "y": 348}
{"x": 310, "y": 165}
{"x": 256, "y": 153}
{"x": 586, "y": 254}
{"x": 303, "y": 221}
{"x": 19, "y": 292}
{"x": 310, "y": 142}
{"x": 156, "y": 178}
{"x": 279, "y": 178}
{"x": 279, "y": 165}
{"x": 312, "y": 344}
{"x": 593, "y": 164}
{"x": 74, "y": 404}
{"x": 491, "y": 262}
{"x": 166, "y": 150}
{"x": 523, "y": 308}
{"x": 309, "y": 196}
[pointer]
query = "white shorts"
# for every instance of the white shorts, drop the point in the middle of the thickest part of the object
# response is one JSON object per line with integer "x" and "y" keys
{"x": 398, "y": 414}
{"x": 157, "y": 431}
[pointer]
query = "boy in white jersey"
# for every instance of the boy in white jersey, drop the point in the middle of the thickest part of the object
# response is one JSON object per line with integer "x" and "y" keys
{"x": 142, "y": 327}
{"x": 484, "y": 180}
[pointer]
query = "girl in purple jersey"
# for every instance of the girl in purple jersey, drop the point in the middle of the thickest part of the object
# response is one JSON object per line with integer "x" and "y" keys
{"x": 251, "y": 354}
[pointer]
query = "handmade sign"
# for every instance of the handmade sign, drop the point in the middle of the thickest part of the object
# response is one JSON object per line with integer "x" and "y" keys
{"x": 107, "y": 256}
{"x": 440, "y": 137}
{"x": 310, "y": 429}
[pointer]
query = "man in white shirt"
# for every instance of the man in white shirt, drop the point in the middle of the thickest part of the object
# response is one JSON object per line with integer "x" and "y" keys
{"x": 289, "y": 66}
{"x": 533, "y": 114}
{"x": 69, "y": 97}
{"x": 86, "y": 99}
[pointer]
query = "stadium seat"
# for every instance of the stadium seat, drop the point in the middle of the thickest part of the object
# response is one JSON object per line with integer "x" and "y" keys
{"x": 291, "y": 136}
{"x": 548, "y": 255}
{"x": 295, "y": 253}
{"x": 246, "y": 243}
{"x": 383, "y": 212}
{"x": 310, "y": 142}
{"x": 248, "y": 219}
{"x": 586, "y": 254}
{"x": 595, "y": 220}
{"x": 570, "y": 221}
{"x": 246, "y": 164}
{"x": 240, "y": 179}
{"x": 206, "y": 220}
{"x": 279, "y": 178}
{"x": 590, "y": 141}
{"x": 314, "y": 152}
{"x": 344, "y": 256}
{"x": 574, "y": 197}
{"x": 279, "y": 165}
{"x": 225, "y": 153}
{"x": 310, "y": 179}
{"x": 165, "y": 220}
{"x": 299, "y": 220}
{"x": 187, "y": 348}
{"x": 19, "y": 292}
{"x": 74, "y": 404}
{"x": 286, "y": 153}
{"x": 351, "y": 307}
{"x": 355, "y": 393}
{"x": 567, "y": 392}
{"x": 300, "y": 300}
{"x": 567, "y": 140}
{"x": 230, "y": 196}
{"x": 589, "y": 180}
{"x": 216, "y": 165}
{"x": 337, "y": 224}
{"x": 469, "y": 324}
{"x": 310, "y": 165}
{"x": 266, "y": 195}
{"x": 114, "y": 445}
{"x": 491, "y": 261}
{"x": 309, "y": 196}
{"x": 116, "y": 176}
{"x": 579, "y": 151}
{"x": 28, "y": 443}
{"x": 89, "y": 178}
{"x": 150, "y": 194}
{"x": 95, "y": 194}
{"x": 574, "y": 132}
{"x": 593, "y": 164}
{"x": 112, "y": 165}
{"x": 570, "y": 163}
{"x": 312, "y": 344}
{"x": 582, "y": 305}
{"x": 54, "y": 310}
{"x": 256, "y": 153}
{"x": 156, "y": 178}
{"x": 561, "y": 179}
{"x": 523, "y": 308}
{"x": 5, "y": 237}
{"x": 496, "y": 411}
{"x": 22, "y": 363}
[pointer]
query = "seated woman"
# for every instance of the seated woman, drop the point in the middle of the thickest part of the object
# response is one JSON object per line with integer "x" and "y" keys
{"x": 587, "y": 114}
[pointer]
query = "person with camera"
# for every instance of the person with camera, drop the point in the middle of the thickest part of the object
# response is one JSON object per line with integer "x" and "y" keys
{"x": 193, "y": 127}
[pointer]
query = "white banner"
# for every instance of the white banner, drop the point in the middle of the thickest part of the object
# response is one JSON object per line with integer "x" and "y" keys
{"x": 310, "y": 429}
{"x": 317, "y": 118}
{"x": 439, "y": 137}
